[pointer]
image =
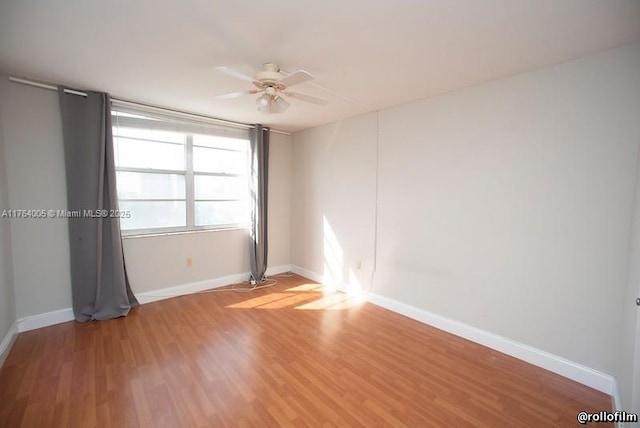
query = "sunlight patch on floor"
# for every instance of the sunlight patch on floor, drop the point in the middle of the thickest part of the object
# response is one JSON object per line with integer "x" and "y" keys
{"x": 259, "y": 301}
{"x": 289, "y": 301}
{"x": 333, "y": 301}
{"x": 307, "y": 296}
{"x": 307, "y": 287}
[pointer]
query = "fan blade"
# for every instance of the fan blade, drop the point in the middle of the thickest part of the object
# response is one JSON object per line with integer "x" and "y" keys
{"x": 295, "y": 78}
{"x": 236, "y": 74}
{"x": 307, "y": 98}
{"x": 234, "y": 95}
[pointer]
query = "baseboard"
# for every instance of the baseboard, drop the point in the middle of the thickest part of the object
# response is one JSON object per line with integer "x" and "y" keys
{"x": 274, "y": 270}
{"x": 7, "y": 342}
{"x": 63, "y": 315}
{"x": 577, "y": 372}
{"x": 189, "y": 288}
{"x": 307, "y": 274}
{"x": 44, "y": 320}
{"x": 196, "y": 287}
{"x": 569, "y": 369}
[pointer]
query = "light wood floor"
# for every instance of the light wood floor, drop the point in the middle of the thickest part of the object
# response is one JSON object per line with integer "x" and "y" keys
{"x": 282, "y": 356}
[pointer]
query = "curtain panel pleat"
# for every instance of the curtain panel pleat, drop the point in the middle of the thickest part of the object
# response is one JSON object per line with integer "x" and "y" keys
{"x": 99, "y": 282}
{"x": 258, "y": 182}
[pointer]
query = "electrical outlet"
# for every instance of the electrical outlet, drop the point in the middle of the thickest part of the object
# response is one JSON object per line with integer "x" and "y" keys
{"x": 358, "y": 265}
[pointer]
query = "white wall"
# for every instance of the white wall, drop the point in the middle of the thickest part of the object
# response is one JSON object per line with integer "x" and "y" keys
{"x": 333, "y": 201}
{"x": 505, "y": 205}
{"x": 279, "y": 206}
{"x": 157, "y": 262}
{"x": 36, "y": 180}
{"x": 40, "y": 248}
{"x": 7, "y": 298}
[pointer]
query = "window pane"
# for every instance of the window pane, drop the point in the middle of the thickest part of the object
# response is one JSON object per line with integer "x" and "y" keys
{"x": 221, "y": 161}
{"x": 220, "y": 142}
{"x": 215, "y": 187}
{"x": 152, "y": 214}
{"x": 221, "y": 213}
{"x": 148, "y": 134}
{"x": 148, "y": 154}
{"x": 144, "y": 185}
{"x": 174, "y": 173}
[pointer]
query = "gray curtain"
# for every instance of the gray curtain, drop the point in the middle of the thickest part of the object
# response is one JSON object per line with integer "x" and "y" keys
{"x": 99, "y": 284}
{"x": 259, "y": 181}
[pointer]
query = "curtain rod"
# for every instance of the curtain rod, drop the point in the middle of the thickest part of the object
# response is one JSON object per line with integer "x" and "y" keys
{"x": 135, "y": 103}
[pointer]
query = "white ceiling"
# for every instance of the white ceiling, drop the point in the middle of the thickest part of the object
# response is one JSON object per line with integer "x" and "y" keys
{"x": 364, "y": 54}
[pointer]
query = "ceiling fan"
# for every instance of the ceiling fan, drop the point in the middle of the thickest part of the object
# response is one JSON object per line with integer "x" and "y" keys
{"x": 272, "y": 84}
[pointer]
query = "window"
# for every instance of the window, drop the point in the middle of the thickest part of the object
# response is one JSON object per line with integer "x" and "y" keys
{"x": 178, "y": 175}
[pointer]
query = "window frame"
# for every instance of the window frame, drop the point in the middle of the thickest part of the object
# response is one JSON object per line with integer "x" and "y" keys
{"x": 189, "y": 178}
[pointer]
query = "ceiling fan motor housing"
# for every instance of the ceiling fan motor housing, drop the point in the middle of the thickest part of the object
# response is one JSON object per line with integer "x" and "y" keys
{"x": 269, "y": 75}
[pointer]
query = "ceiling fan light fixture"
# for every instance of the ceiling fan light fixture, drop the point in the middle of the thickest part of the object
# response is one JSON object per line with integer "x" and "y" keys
{"x": 279, "y": 105}
{"x": 264, "y": 103}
